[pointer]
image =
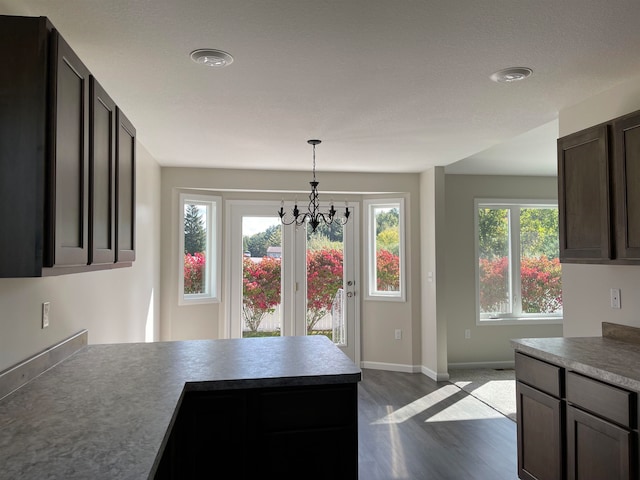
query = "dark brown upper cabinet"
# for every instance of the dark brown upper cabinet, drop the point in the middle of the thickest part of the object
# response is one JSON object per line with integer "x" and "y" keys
{"x": 626, "y": 165}
{"x": 599, "y": 193}
{"x": 58, "y": 153}
{"x": 583, "y": 196}
{"x": 102, "y": 175}
{"x": 126, "y": 189}
{"x": 68, "y": 163}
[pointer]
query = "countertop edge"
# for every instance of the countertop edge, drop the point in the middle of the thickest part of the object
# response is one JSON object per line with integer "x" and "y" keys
{"x": 598, "y": 372}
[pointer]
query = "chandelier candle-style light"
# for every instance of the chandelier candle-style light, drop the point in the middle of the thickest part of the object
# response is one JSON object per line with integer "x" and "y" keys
{"x": 313, "y": 214}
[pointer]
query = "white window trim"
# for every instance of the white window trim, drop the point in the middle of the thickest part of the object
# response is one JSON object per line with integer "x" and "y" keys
{"x": 370, "y": 246}
{"x": 511, "y": 319}
{"x": 214, "y": 222}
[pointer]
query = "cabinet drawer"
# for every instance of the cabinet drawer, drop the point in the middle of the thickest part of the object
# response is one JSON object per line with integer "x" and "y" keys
{"x": 607, "y": 401}
{"x": 541, "y": 375}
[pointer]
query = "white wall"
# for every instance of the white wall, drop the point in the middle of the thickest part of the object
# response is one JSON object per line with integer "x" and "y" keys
{"x": 586, "y": 287}
{"x": 488, "y": 343}
{"x": 119, "y": 305}
{"x": 378, "y": 319}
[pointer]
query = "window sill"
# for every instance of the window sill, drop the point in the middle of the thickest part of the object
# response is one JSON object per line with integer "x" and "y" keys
{"x": 520, "y": 321}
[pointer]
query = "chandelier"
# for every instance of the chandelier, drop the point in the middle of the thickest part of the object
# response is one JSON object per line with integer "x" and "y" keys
{"x": 313, "y": 215}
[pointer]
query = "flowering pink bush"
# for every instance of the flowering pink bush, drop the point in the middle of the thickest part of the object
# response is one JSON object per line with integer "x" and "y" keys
{"x": 324, "y": 278}
{"x": 261, "y": 284}
{"x": 260, "y": 289}
{"x": 541, "y": 284}
{"x": 194, "y": 268}
{"x": 387, "y": 271}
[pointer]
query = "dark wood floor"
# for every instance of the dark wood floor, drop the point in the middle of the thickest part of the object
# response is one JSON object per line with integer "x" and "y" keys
{"x": 411, "y": 428}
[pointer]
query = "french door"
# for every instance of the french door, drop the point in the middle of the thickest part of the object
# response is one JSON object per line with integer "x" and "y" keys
{"x": 286, "y": 280}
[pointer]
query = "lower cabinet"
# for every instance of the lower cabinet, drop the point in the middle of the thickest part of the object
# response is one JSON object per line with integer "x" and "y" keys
{"x": 574, "y": 427}
{"x": 286, "y": 433}
{"x": 597, "y": 448}
{"x": 540, "y": 442}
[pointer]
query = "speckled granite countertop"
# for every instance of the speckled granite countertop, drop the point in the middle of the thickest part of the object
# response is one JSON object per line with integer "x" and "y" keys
{"x": 105, "y": 412}
{"x": 611, "y": 361}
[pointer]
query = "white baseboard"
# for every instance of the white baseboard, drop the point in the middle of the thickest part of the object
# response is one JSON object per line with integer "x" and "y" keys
{"x": 392, "y": 367}
{"x": 494, "y": 365}
{"x": 396, "y": 367}
{"x": 438, "y": 377}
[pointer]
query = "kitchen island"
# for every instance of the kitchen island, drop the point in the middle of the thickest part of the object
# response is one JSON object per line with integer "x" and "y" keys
{"x": 121, "y": 411}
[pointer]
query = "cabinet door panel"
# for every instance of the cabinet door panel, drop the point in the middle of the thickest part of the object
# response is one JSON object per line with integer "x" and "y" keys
{"x": 22, "y": 136}
{"x": 583, "y": 195}
{"x": 627, "y": 186}
{"x": 125, "y": 189}
{"x": 597, "y": 449}
{"x": 69, "y": 165}
{"x": 101, "y": 176}
{"x": 540, "y": 446}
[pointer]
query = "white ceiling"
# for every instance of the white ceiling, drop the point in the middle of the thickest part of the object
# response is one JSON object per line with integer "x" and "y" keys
{"x": 387, "y": 85}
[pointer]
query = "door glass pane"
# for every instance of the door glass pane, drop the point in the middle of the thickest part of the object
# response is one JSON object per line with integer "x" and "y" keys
{"x": 261, "y": 276}
{"x": 325, "y": 292}
{"x": 540, "y": 271}
{"x": 493, "y": 253}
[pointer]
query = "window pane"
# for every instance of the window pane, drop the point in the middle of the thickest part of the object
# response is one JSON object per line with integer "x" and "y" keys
{"x": 494, "y": 264}
{"x": 195, "y": 248}
{"x": 386, "y": 221}
{"x": 325, "y": 295}
{"x": 261, "y": 276}
{"x": 540, "y": 270}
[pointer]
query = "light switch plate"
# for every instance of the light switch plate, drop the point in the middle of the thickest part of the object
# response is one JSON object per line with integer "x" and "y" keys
{"x": 615, "y": 298}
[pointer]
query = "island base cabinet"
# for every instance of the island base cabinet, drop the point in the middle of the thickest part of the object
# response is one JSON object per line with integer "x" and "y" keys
{"x": 296, "y": 425}
{"x": 597, "y": 449}
{"x": 306, "y": 432}
{"x": 540, "y": 451}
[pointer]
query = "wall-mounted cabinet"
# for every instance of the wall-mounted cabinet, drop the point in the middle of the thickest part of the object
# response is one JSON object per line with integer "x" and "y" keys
{"x": 598, "y": 193}
{"x": 626, "y": 165}
{"x": 67, "y": 159}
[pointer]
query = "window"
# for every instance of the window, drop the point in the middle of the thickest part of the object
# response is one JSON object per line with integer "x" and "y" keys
{"x": 519, "y": 275}
{"x": 199, "y": 249}
{"x": 384, "y": 224}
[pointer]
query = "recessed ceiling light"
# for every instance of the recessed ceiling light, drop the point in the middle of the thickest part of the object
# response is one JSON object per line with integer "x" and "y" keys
{"x": 211, "y": 57}
{"x": 513, "y": 74}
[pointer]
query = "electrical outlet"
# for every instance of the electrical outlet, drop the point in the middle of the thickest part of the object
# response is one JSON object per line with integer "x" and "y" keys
{"x": 615, "y": 298}
{"x": 398, "y": 334}
{"x": 45, "y": 314}
{"x": 467, "y": 334}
